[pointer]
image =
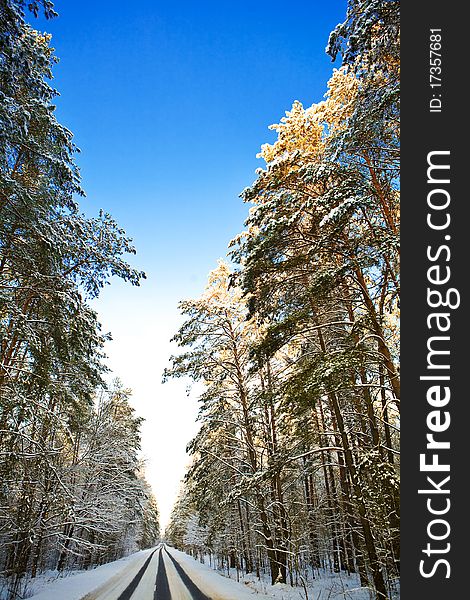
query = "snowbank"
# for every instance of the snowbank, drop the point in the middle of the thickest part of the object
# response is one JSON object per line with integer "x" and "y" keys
{"x": 327, "y": 586}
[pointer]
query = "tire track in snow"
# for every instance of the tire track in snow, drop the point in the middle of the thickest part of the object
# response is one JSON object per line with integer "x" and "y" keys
{"x": 130, "y": 589}
{"x": 188, "y": 582}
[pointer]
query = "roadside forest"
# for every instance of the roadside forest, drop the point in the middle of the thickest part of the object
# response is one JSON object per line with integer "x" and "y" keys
{"x": 72, "y": 491}
{"x": 295, "y": 339}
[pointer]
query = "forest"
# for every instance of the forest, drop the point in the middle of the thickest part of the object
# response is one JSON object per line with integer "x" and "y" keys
{"x": 72, "y": 493}
{"x": 295, "y": 340}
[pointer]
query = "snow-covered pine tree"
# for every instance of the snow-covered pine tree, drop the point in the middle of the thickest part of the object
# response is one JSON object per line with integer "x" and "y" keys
{"x": 318, "y": 281}
{"x": 52, "y": 261}
{"x": 237, "y": 415}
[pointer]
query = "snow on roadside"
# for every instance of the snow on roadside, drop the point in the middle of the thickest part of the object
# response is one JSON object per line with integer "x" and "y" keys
{"x": 328, "y": 586}
{"x": 73, "y": 586}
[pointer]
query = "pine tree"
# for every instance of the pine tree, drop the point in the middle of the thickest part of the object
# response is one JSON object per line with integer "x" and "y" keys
{"x": 53, "y": 260}
{"x": 318, "y": 290}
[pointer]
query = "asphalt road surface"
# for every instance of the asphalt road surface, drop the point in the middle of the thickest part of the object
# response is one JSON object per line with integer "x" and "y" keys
{"x": 159, "y": 577}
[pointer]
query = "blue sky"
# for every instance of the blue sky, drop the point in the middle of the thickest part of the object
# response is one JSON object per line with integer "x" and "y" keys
{"x": 169, "y": 103}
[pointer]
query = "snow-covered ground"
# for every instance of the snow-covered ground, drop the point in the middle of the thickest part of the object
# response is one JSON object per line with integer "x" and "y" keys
{"x": 327, "y": 586}
{"x": 77, "y": 585}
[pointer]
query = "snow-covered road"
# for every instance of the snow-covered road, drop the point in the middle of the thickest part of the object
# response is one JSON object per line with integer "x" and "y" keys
{"x": 166, "y": 574}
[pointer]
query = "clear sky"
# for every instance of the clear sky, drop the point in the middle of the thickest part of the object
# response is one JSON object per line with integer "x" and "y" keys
{"x": 169, "y": 103}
